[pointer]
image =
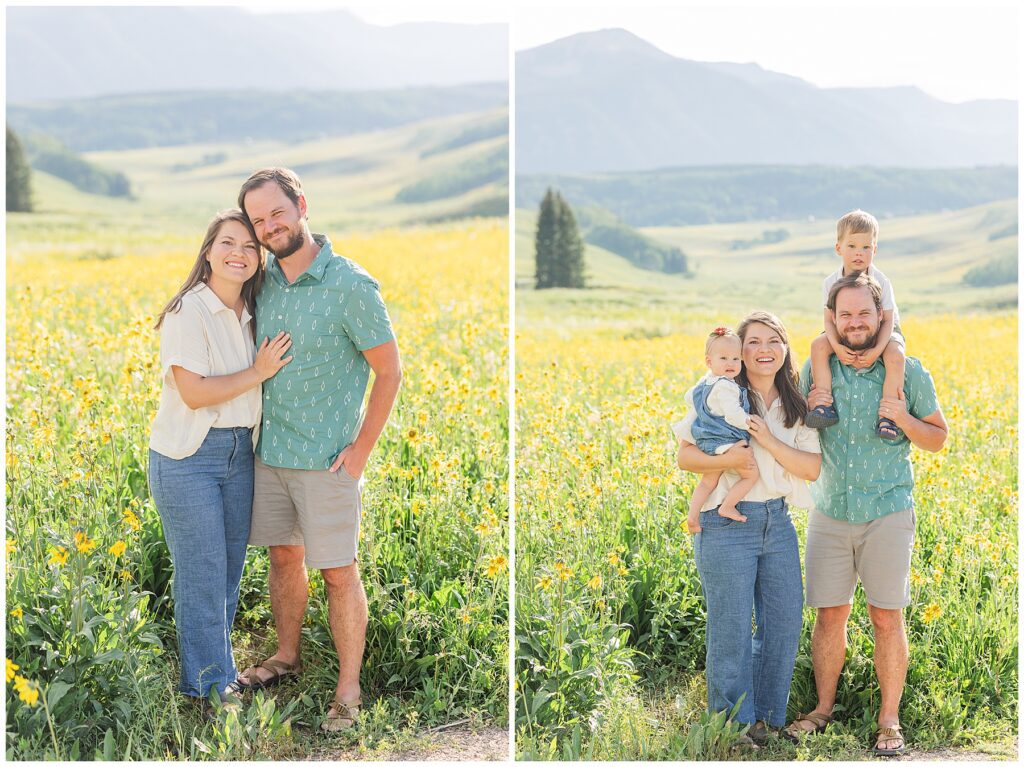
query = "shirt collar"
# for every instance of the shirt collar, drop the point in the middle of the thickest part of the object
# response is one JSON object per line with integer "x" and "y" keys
{"x": 205, "y": 294}
{"x": 315, "y": 270}
{"x": 870, "y": 271}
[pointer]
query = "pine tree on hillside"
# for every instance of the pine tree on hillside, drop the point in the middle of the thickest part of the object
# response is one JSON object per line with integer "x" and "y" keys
{"x": 559, "y": 247}
{"x": 545, "y": 241}
{"x": 19, "y": 191}
{"x": 569, "y": 248}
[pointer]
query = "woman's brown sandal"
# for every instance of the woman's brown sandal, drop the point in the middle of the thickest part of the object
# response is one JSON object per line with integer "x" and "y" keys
{"x": 793, "y": 731}
{"x": 341, "y": 715}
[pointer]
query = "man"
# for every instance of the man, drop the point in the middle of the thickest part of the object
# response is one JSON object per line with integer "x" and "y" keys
{"x": 314, "y": 440}
{"x": 863, "y": 523}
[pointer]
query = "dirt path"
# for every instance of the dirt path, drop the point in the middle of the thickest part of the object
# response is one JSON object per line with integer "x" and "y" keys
{"x": 459, "y": 744}
{"x": 998, "y": 753}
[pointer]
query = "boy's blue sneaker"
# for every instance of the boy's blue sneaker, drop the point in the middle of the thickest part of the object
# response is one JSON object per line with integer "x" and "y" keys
{"x": 822, "y": 417}
{"x": 887, "y": 429}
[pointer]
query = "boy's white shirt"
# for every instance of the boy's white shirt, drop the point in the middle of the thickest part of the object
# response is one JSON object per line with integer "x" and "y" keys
{"x": 723, "y": 400}
{"x": 888, "y": 296}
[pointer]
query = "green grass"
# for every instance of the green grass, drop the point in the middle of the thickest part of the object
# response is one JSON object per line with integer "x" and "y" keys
{"x": 378, "y": 165}
{"x": 926, "y": 257}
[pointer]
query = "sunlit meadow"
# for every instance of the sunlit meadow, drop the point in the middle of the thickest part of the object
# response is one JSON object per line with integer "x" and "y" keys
{"x": 91, "y": 665}
{"x": 609, "y": 613}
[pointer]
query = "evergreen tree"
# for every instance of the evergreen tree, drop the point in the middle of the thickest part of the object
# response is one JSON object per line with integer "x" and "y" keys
{"x": 19, "y": 192}
{"x": 559, "y": 247}
{"x": 547, "y": 222}
{"x": 568, "y": 248}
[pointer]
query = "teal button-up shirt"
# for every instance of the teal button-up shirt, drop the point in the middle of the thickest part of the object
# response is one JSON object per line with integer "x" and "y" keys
{"x": 313, "y": 406}
{"x": 864, "y": 477}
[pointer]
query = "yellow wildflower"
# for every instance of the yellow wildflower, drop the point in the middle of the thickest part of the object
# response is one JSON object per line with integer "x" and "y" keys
{"x": 595, "y": 582}
{"x": 58, "y": 555}
{"x": 118, "y": 548}
{"x": 17, "y": 612}
{"x": 83, "y": 543}
{"x": 544, "y": 582}
{"x": 496, "y": 566}
{"x": 27, "y": 691}
{"x": 11, "y": 546}
{"x": 931, "y": 612}
{"x": 11, "y": 668}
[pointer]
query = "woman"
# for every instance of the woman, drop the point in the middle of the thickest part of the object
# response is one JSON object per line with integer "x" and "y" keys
{"x": 756, "y": 564}
{"x": 201, "y": 448}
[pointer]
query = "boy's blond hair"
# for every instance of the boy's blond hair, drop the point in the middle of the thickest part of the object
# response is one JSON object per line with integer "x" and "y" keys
{"x": 857, "y": 222}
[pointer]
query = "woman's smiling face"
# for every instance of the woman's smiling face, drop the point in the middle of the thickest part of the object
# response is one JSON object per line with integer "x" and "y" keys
{"x": 763, "y": 350}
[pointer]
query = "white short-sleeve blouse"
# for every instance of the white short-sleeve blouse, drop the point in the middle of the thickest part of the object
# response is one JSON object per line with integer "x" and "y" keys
{"x": 774, "y": 481}
{"x": 207, "y": 338}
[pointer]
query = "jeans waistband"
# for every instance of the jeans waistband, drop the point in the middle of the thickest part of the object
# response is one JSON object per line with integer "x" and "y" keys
{"x": 772, "y": 504}
{"x": 233, "y": 430}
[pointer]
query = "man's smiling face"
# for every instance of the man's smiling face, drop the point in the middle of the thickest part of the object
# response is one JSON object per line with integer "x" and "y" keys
{"x": 857, "y": 318}
{"x": 277, "y": 220}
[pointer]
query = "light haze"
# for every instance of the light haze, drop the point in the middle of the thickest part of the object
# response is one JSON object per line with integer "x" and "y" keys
{"x": 955, "y": 54}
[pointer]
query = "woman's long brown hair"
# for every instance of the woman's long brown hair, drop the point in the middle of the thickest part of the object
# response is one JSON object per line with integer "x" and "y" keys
{"x": 201, "y": 268}
{"x": 787, "y": 380}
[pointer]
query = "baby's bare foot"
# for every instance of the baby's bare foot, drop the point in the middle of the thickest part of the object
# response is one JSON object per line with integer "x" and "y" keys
{"x": 729, "y": 512}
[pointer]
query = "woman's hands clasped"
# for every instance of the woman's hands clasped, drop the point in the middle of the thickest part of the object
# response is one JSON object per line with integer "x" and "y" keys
{"x": 269, "y": 356}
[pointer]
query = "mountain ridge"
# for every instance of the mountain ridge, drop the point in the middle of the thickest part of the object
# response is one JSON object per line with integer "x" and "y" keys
{"x": 80, "y": 51}
{"x": 608, "y": 101}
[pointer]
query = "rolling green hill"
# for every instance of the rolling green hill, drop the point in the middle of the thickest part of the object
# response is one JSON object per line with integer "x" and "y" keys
{"x": 352, "y": 181}
{"x": 232, "y": 116}
{"x": 722, "y": 194}
{"x": 927, "y": 257}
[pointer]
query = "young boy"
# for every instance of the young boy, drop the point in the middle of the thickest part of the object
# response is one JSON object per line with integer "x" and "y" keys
{"x": 856, "y": 243}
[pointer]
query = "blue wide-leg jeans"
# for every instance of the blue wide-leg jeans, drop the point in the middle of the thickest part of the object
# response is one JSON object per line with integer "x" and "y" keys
{"x": 745, "y": 567}
{"x": 205, "y": 504}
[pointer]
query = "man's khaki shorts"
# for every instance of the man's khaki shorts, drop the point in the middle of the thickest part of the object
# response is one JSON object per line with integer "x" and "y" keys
{"x": 303, "y": 507}
{"x": 837, "y": 552}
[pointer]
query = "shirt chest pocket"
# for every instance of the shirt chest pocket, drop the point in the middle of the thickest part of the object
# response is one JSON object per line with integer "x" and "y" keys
{"x": 314, "y": 326}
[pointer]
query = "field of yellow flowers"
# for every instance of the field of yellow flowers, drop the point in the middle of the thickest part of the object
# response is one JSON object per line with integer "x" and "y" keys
{"x": 90, "y": 644}
{"x": 609, "y": 612}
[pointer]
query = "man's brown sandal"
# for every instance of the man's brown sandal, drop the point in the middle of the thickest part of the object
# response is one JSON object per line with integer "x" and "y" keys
{"x": 889, "y": 734}
{"x": 278, "y": 669}
{"x": 793, "y": 731}
{"x": 341, "y": 715}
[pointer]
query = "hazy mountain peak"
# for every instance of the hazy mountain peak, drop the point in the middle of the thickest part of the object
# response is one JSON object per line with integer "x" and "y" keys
{"x": 609, "y": 101}
{"x": 75, "y": 51}
{"x": 613, "y": 40}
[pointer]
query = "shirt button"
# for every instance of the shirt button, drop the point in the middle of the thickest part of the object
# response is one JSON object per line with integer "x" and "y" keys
{"x": 279, "y": 316}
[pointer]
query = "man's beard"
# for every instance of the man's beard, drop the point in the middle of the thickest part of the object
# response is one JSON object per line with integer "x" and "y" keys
{"x": 293, "y": 244}
{"x": 866, "y": 344}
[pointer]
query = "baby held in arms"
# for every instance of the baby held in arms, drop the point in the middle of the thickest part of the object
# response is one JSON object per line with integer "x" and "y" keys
{"x": 722, "y": 409}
